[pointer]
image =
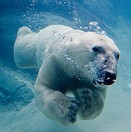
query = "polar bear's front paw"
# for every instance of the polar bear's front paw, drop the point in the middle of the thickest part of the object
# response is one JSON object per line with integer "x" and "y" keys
{"x": 71, "y": 111}
{"x": 86, "y": 98}
{"x": 63, "y": 109}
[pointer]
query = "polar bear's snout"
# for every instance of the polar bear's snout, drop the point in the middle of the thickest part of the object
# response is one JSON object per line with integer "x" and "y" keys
{"x": 105, "y": 77}
{"x": 109, "y": 71}
{"x": 105, "y": 70}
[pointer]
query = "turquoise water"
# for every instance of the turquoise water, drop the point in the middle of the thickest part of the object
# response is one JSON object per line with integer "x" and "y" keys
{"x": 18, "y": 112}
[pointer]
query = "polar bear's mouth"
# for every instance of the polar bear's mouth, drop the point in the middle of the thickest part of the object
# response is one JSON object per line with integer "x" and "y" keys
{"x": 99, "y": 82}
{"x": 107, "y": 79}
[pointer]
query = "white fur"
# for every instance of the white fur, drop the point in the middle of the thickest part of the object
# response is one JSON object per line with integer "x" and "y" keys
{"x": 62, "y": 54}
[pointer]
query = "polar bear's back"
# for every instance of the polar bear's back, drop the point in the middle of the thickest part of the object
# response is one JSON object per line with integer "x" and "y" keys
{"x": 29, "y": 47}
{"x": 47, "y": 37}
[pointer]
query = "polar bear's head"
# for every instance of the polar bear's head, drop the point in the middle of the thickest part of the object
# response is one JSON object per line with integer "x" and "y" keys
{"x": 95, "y": 57}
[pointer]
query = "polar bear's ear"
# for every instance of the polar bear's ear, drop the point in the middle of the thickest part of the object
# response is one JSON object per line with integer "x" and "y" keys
{"x": 24, "y": 31}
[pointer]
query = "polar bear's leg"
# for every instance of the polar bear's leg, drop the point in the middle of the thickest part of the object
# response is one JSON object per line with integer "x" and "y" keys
{"x": 25, "y": 48}
{"x": 92, "y": 102}
{"x": 53, "y": 103}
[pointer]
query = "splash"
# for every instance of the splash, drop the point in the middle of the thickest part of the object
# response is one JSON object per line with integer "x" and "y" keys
{"x": 94, "y": 26}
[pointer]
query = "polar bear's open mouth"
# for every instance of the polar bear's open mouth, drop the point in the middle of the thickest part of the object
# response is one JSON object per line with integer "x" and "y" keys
{"x": 108, "y": 79}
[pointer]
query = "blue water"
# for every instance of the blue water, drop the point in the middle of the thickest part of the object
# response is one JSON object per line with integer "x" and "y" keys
{"x": 18, "y": 112}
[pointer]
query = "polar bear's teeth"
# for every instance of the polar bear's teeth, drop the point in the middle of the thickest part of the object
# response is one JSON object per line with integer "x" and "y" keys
{"x": 114, "y": 80}
{"x": 98, "y": 83}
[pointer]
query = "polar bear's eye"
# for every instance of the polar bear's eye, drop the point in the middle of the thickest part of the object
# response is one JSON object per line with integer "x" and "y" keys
{"x": 117, "y": 56}
{"x": 98, "y": 49}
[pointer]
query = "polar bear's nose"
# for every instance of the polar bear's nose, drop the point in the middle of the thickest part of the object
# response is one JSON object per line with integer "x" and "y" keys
{"x": 110, "y": 77}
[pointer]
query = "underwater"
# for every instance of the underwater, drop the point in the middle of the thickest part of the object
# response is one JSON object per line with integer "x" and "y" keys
{"x": 112, "y": 18}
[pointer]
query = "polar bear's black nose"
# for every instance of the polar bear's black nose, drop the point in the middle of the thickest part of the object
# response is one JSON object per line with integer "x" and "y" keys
{"x": 110, "y": 77}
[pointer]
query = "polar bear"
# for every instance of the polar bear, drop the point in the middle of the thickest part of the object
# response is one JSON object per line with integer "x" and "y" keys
{"x": 69, "y": 61}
